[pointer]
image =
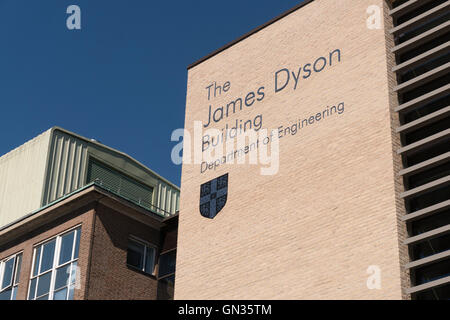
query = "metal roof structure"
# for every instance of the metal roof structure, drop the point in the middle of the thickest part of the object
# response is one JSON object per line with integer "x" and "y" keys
{"x": 59, "y": 162}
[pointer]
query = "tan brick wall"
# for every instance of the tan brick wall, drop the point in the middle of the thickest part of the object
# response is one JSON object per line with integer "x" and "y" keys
{"x": 312, "y": 230}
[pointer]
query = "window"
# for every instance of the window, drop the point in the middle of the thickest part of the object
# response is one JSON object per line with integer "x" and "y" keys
{"x": 167, "y": 264}
{"x": 141, "y": 256}
{"x": 55, "y": 267}
{"x": 166, "y": 275}
{"x": 10, "y": 276}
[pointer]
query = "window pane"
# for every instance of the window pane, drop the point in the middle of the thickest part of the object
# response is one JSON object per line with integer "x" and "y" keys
{"x": 43, "y": 298}
{"x": 47, "y": 256}
{"x": 36, "y": 261}
{"x": 14, "y": 293}
{"x": 66, "y": 247}
{"x": 169, "y": 280}
{"x": 32, "y": 289}
{"x": 73, "y": 273}
{"x": 60, "y": 295}
{"x": 166, "y": 288}
{"x": 8, "y": 273}
{"x": 150, "y": 260}
{"x": 77, "y": 243}
{"x": 62, "y": 277}
{"x": 18, "y": 267}
{"x": 135, "y": 255}
{"x": 44, "y": 284}
{"x": 71, "y": 292}
{"x": 6, "y": 295}
{"x": 167, "y": 263}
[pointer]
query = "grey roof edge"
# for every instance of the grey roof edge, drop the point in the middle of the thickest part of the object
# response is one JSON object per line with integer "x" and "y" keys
{"x": 101, "y": 145}
{"x": 12, "y": 151}
{"x": 248, "y": 34}
{"x": 9, "y": 225}
{"x": 95, "y": 187}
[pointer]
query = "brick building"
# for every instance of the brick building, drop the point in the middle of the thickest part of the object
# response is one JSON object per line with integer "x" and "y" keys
{"x": 357, "y": 205}
{"x": 106, "y": 226}
{"x": 349, "y": 198}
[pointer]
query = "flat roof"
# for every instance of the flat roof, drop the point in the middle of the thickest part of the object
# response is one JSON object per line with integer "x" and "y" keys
{"x": 245, "y": 36}
{"x": 77, "y": 195}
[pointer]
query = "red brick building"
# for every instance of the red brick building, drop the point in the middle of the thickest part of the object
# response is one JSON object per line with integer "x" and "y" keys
{"x": 94, "y": 243}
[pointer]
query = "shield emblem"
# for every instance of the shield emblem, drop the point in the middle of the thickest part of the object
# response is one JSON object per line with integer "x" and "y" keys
{"x": 213, "y": 196}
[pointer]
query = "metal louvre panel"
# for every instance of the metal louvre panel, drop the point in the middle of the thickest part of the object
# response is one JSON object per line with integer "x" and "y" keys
{"x": 68, "y": 164}
{"x": 136, "y": 192}
{"x": 119, "y": 184}
{"x": 104, "y": 177}
{"x": 421, "y": 30}
{"x": 407, "y": 6}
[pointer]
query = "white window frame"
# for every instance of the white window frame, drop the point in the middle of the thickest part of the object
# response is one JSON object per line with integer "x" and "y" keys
{"x": 146, "y": 245}
{"x": 55, "y": 265}
{"x": 13, "y": 284}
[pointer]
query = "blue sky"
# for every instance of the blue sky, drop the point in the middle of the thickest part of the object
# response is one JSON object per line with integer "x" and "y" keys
{"x": 121, "y": 79}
